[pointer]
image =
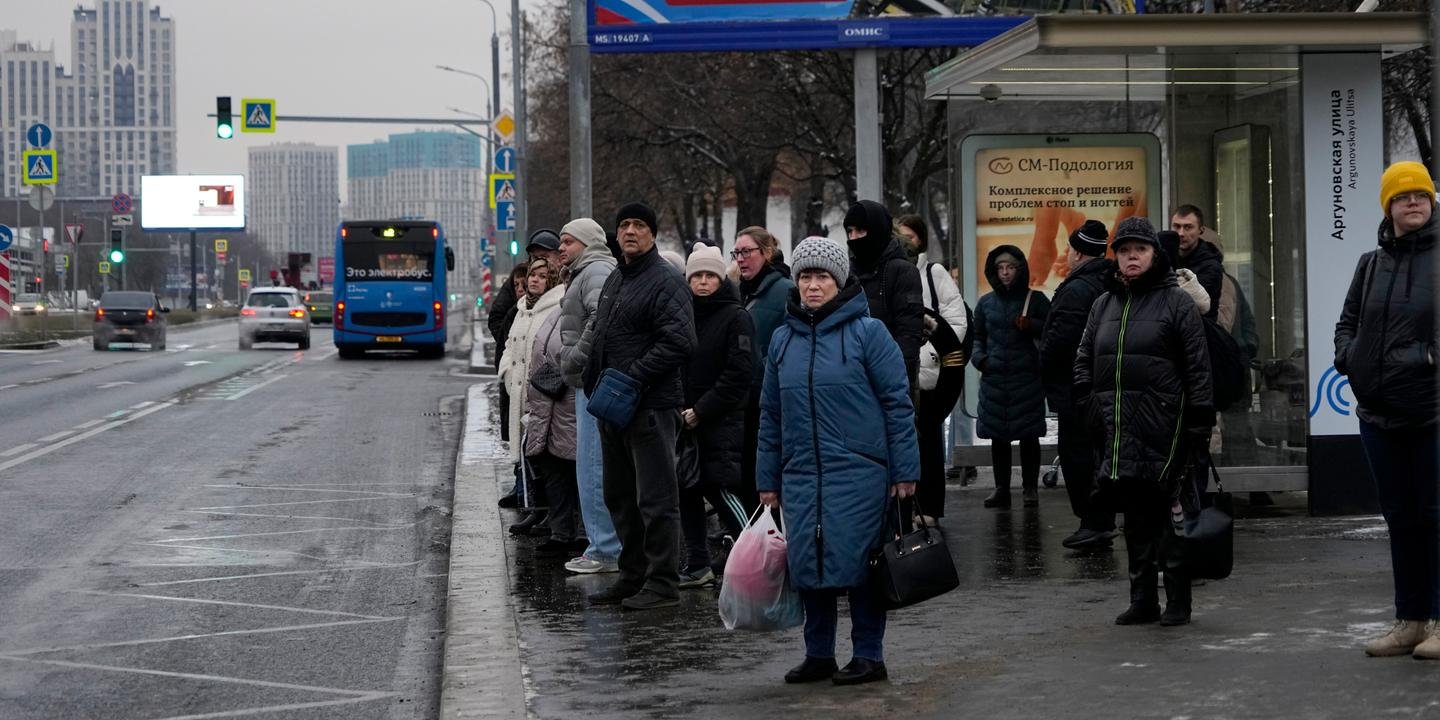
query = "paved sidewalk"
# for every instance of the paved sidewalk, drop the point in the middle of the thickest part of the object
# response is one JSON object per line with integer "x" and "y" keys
{"x": 1029, "y": 633}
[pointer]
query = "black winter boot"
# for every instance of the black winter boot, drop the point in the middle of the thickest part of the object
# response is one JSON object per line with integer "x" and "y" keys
{"x": 1177, "y": 600}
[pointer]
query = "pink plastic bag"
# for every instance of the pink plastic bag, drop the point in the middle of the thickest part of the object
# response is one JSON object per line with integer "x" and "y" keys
{"x": 756, "y": 592}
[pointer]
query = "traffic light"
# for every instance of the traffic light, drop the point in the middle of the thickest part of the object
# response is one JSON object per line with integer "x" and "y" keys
{"x": 514, "y": 248}
{"x": 224, "y": 125}
{"x": 117, "y": 245}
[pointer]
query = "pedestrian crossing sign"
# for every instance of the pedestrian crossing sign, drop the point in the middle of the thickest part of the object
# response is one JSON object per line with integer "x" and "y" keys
{"x": 502, "y": 187}
{"x": 259, "y": 115}
{"x": 39, "y": 167}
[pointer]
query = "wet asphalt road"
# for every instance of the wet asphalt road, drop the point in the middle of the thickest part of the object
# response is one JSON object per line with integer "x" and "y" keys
{"x": 1029, "y": 634}
{"x": 207, "y": 532}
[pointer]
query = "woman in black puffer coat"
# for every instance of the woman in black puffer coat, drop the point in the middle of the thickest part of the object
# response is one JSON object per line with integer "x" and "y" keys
{"x": 1385, "y": 343}
{"x": 1008, "y": 321}
{"x": 717, "y": 386}
{"x": 1142, "y": 373}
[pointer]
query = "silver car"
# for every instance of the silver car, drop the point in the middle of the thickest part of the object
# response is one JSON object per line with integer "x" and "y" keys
{"x": 274, "y": 314}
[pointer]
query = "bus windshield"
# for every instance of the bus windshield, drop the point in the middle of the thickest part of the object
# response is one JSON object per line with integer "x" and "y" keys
{"x": 367, "y": 259}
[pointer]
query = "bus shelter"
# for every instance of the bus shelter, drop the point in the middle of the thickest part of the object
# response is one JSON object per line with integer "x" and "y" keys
{"x": 1274, "y": 125}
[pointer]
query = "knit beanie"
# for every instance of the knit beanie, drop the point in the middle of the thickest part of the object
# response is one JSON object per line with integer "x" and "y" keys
{"x": 1402, "y": 177}
{"x": 587, "y": 231}
{"x": 816, "y": 253}
{"x": 704, "y": 258}
{"x": 1090, "y": 239}
{"x": 1007, "y": 258}
{"x": 638, "y": 211}
{"x": 674, "y": 259}
{"x": 1136, "y": 228}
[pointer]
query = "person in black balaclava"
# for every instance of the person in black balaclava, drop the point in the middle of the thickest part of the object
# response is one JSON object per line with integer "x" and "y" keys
{"x": 890, "y": 279}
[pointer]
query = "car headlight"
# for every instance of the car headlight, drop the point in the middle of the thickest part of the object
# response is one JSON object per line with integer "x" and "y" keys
{"x": 39, "y": 308}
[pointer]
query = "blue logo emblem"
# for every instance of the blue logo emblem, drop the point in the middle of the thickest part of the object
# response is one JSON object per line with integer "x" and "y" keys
{"x": 1331, "y": 390}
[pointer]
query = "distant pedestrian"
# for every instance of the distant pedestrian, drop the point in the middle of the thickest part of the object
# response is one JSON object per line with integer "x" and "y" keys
{"x": 1088, "y": 271}
{"x": 550, "y": 447}
{"x": 837, "y": 437}
{"x": 941, "y": 376}
{"x": 587, "y": 257}
{"x": 1008, "y": 324}
{"x": 890, "y": 280}
{"x": 717, "y": 388}
{"x": 1385, "y": 344}
{"x": 1143, "y": 367}
{"x": 764, "y": 290}
{"x": 644, "y": 328}
{"x": 542, "y": 297}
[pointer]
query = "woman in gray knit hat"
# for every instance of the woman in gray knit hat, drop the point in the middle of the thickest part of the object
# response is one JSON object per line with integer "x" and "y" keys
{"x": 837, "y": 438}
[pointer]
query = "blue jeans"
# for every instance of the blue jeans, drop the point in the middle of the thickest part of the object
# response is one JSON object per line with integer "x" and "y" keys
{"x": 599, "y": 527}
{"x": 1404, "y": 463}
{"x": 867, "y": 623}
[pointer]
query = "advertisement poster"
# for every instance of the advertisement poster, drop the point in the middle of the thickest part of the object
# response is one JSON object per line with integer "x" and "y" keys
{"x": 1033, "y": 191}
{"x": 1344, "y": 144}
{"x": 192, "y": 202}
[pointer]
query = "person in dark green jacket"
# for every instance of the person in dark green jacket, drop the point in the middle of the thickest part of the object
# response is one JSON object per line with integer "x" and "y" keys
{"x": 764, "y": 290}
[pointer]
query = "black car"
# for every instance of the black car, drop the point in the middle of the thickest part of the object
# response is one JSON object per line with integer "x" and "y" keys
{"x": 131, "y": 317}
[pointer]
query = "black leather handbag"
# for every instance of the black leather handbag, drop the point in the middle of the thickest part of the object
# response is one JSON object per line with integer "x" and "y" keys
{"x": 1208, "y": 551}
{"x": 913, "y": 567}
{"x": 546, "y": 378}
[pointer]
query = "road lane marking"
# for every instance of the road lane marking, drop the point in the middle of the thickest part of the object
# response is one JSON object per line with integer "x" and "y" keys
{"x": 279, "y": 573}
{"x": 296, "y": 488}
{"x": 7, "y": 387}
{"x": 284, "y": 517}
{"x": 230, "y": 603}
{"x": 89, "y": 424}
{"x": 117, "y": 413}
{"x": 255, "y": 387}
{"x": 268, "y": 709}
{"x": 296, "y": 502}
{"x": 145, "y": 404}
{"x": 316, "y": 558}
{"x": 82, "y": 436}
{"x": 115, "y": 384}
{"x": 18, "y": 449}
{"x": 193, "y": 363}
{"x": 326, "y": 356}
{"x": 56, "y": 436}
{"x": 286, "y": 532}
{"x": 46, "y": 362}
{"x": 18, "y": 654}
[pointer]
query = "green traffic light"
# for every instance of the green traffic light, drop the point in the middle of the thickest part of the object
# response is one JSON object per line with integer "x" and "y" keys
{"x": 117, "y": 256}
{"x": 514, "y": 247}
{"x": 224, "y": 131}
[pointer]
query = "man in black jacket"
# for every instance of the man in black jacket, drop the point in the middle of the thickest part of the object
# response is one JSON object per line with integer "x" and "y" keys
{"x": 643, "y": 327}
{"x": 1063, "y": 329}
{"x": 1200, "y": 257}
{"x": 890, "y": 279}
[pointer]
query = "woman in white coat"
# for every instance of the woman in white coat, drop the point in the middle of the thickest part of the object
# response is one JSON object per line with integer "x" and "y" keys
{"x": 543, "y": 292}
{"x": 942, "y": 364}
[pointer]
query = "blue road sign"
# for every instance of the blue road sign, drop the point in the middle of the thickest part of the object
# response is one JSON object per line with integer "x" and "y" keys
{"x": 505, "y": 160}
{"x": 7, "y": 236}
{"x": 487, "y": 260}
{"x": 504, "y": 215}
{"x": 39, "y": 135}
{"x": 39, "y": 167}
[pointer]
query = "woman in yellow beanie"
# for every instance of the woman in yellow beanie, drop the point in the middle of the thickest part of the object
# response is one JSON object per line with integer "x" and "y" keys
{"x": 1385, "y": 344}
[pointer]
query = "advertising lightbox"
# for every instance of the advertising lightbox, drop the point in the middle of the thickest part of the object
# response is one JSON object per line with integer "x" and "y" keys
{"x": 192, "y": 202}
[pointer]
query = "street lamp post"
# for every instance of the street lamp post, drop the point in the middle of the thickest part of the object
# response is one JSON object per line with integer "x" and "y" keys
{"x": 494, "y": 89}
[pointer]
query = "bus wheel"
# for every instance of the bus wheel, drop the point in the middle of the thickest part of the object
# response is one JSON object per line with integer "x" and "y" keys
{"x": 349, "y": 353}
{"x": 433, "y": 352}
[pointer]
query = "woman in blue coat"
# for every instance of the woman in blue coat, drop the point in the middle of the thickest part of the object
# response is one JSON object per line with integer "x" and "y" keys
{"x": 1008, "y": 322}
{"x": 837, "y": 439}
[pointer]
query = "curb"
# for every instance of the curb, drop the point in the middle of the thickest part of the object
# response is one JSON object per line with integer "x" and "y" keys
{"x": 482, "y": 675}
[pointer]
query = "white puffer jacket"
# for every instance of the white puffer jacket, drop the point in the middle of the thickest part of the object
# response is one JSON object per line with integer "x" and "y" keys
{"x": 951, "y": 306}
{"x": 514, "y": 365}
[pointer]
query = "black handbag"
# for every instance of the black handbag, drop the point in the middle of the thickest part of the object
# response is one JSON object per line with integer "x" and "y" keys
{"x": 1208, "y": 551}
{"x": 911, "y": 568}
{"x": 687, "y": 459}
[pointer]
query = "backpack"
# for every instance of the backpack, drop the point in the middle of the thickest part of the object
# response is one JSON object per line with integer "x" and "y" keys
{"x": 1227, "y": 366}
{"x": 967, "y": 343}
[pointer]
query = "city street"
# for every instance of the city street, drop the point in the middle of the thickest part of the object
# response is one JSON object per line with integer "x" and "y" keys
{"x": 206, "y": 532}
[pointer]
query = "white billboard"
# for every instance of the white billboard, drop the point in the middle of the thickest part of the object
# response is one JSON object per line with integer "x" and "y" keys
{"x": 192, "y": 202}
{"x": 1344, "y": 143}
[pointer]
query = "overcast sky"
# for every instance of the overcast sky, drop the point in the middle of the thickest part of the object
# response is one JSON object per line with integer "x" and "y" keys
{"x": 315, "y": 57}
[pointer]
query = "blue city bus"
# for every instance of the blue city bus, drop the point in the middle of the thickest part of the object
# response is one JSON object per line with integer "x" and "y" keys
{"x": 390, "y": 287}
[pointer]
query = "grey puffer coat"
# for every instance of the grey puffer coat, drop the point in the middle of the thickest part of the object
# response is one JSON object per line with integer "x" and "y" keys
{"x": 1012, "y": 397}
{"x": 549, "y": 424}
{"x": 1385, "y": 342}
{"x": 587, "y": 278}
